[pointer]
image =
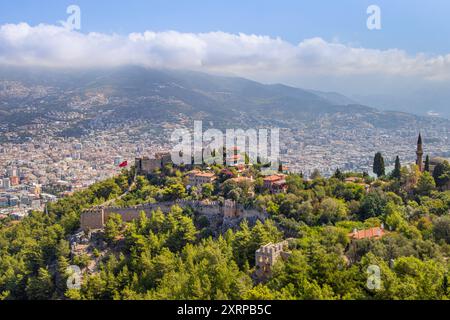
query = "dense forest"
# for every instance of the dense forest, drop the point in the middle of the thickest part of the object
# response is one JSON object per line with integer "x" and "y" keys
{"x": 175, "y": 255}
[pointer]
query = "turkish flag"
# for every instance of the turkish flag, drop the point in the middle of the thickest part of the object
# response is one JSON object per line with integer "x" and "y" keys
{"x": 123, "y": 164}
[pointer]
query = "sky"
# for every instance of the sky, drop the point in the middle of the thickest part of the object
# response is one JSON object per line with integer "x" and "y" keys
{"x": 321, "y": 44}
{"x": 412, "y": 25}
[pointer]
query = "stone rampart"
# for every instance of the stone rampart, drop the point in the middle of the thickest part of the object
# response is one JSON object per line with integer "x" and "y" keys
{"x": 96, "y": 218}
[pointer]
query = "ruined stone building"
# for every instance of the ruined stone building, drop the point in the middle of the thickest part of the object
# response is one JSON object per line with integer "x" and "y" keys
{"x": 268, "y": 255}
{"x": 146, "y": 165}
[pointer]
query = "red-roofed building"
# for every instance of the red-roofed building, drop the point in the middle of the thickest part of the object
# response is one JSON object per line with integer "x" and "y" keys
{"x": 372, "y": 233}
{"x": 14, "y": 181}
{"x": 275, "y": 183}
{"x": 197, "y": 178}
{"x": 242, "y": 179}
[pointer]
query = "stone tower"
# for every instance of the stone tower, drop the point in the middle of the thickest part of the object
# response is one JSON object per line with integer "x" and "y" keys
{"x": 419, "y": 153}
{"x": 267, "y": 255}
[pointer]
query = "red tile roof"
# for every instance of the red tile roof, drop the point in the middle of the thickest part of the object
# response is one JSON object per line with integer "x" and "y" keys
{"x": 241, "y": 179}
{"x": 376, "y": 232}
{"x": 274, "y": 178}
{"x": 205, "y": 174}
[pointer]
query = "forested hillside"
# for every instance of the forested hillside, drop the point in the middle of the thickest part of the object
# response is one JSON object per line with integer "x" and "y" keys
{"x": 175, "y": 255}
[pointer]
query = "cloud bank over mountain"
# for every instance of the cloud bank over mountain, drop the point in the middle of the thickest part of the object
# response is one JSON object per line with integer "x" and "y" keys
{"x": 314, "y": 63}
{"x": 49, "y": 45}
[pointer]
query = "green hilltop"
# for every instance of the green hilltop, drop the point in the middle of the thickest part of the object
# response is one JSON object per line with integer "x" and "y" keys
{"x": 338, "y": 229}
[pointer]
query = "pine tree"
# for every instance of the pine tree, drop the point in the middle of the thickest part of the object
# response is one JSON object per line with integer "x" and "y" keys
{"x": 378, "y": 165}
{"x": 427, "y": 163}
{"x": 398, "y": 169}
{"x": 425, "y": 185}
{"x": 338, "y": 174}
{"x": 441, "y": 174}
{"x": 41, "y": 286}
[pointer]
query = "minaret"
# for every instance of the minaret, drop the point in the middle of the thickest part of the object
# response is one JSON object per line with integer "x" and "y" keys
{"x": 419, "y": 153}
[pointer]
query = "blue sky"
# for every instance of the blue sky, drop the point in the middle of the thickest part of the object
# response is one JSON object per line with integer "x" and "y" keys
{"x": 412, "y": 25}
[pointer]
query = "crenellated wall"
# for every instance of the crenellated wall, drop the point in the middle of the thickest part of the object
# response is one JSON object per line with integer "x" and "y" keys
{"x": 92, "y": 219}
{"x": 96, "y": 218}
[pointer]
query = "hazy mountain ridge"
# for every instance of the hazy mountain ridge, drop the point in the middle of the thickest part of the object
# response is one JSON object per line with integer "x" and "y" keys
{"x": 130, "y": 93}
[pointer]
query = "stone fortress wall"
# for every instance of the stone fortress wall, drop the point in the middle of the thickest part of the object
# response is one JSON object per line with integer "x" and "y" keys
{"x": 96, "y": 218}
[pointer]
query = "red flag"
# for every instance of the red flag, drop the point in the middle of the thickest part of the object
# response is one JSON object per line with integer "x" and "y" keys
{"x": 123, "y": 164}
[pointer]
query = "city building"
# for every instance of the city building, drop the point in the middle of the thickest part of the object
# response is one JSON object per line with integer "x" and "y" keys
{"x": 6, "y": 183}
{"x": 200, "y": 178}
{"x": 14, "y": 180}
{"x": 275, "y": 183}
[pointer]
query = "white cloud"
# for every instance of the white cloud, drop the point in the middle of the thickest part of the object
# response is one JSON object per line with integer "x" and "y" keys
{"x": 253, "y": 56}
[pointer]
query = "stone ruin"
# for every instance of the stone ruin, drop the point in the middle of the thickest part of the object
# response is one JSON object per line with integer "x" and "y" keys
{"x": 268, "y": 255}
{"x": 146, "y": 165}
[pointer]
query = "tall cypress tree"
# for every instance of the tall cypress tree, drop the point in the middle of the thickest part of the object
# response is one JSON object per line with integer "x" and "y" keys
{"x": 397, "y": 173}
{"x": 427, "y": 163}
{"x": 338, "y": 174}
{"x": 378, "y": 165}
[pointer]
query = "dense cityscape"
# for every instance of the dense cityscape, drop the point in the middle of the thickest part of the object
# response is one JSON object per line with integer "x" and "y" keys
{"x": 45, "y": 168}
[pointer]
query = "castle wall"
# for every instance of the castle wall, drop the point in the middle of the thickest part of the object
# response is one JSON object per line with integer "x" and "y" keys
{"x": 127, "y": 214}
{"x": 165, "y": 157}
{"x": 149, "y": 165}
{"x": 96, "y": 218}
{"x": 251, "y": 214}
{"x": 230, "y": 209}
{"x": 93, "y": 219}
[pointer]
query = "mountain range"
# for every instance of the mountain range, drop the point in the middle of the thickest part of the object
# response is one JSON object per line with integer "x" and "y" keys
{"x": 84, "y": 97}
